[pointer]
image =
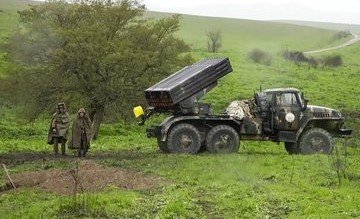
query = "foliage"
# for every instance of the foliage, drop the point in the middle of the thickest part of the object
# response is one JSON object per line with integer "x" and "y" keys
{"x": 326, "y": 61}
{"x": 260, "y": 56}
{"x": 333, "y": 61}
{"x": 214, "y": 40}
{"x": 342, "y": 34}
{"x": 90, "y": 53}
{"x": 295, "y": 56}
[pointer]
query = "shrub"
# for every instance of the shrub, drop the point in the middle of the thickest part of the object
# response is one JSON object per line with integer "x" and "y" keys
{"x": 299, "y": 57}
{"x": 313, "y": 62}
{"x": 333, "y": 61}
{"x": 341, "y": 34}
{"x": 214, "y": 40}
{"x": 260, "y": 56}
{"x": 295, "y": 56}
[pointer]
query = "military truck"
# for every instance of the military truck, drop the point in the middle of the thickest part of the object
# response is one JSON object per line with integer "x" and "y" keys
{"x": 278, "y": 115}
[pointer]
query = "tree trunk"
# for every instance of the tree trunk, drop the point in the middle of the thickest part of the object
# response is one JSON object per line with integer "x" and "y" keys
{"x": 98, "y": 117}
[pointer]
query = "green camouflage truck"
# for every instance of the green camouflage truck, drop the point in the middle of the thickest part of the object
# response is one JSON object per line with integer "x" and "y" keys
{"x": 278, "y": 115}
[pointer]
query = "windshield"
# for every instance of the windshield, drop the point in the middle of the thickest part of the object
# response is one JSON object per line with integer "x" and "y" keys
{"x": 286, "y": 99}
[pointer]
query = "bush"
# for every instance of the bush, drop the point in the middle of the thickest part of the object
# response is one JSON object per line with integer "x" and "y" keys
{"x": 299, "y": 57}
{"x": 260, "y": 56}
{"x": 333, "y": 61}
{"x": 341, "y": 34}
{"x": 295, "y": 56}
{"x": 313, "y": 62}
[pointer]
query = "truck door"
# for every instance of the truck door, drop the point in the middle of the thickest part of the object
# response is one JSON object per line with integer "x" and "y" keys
{"x": 287, "y": 111}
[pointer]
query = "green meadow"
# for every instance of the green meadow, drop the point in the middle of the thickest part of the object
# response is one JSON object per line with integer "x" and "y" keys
{"x": 260, "y": 181}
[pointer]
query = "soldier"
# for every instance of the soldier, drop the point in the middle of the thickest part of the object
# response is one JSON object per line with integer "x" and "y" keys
{"x": 81, "y": 133}
{"x": 59, "y": 129}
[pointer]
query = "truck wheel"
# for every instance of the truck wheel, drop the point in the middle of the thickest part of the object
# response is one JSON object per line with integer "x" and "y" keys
{"x": 163, "y": 146}
{"x": 292, "y": 148}
{"x": 223, "y": 139}
{"x": 316, "y": 140}
{"x": 184, "y": 138}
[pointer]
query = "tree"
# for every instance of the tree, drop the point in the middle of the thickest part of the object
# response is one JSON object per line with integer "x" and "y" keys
{"x": 214, "y": 40}
{"x": 95, "y": 53}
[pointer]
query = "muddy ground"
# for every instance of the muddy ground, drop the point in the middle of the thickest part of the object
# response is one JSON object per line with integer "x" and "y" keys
{"x": 86, "y": 176}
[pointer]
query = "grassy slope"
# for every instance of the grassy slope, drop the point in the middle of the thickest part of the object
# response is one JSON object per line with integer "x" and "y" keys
{"x": 260, "y": 181}
{"x": 8, "y": 21}
{"x": 331, "y": 26}
{"x": 242, "y": 35}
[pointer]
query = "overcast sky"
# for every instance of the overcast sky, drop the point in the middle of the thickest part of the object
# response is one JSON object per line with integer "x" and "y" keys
{"x": 345, "y": 11}
{"x": 336, "y": 11}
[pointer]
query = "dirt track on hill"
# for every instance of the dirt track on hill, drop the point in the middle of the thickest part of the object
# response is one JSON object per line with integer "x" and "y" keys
{"x": 355, "y": 39}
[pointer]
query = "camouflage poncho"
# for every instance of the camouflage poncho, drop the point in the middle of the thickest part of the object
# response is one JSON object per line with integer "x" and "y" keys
{"x": 81, "y": 126}
{"x": 60, "y": 121}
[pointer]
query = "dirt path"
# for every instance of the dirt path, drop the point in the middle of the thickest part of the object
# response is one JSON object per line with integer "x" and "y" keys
{"x": 355, "y": 39}
{"x": 86, "y": 176}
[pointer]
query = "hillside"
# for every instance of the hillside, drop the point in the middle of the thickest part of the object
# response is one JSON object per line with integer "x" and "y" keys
{"x": 330, "y": 26}
{"x": 9, "y": 21}
{"x": 242, "y": 35}
{"x": 126, "y": 176}
{"x": 8, "y": 14}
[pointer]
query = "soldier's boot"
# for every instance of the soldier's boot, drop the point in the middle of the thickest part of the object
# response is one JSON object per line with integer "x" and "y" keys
{"x": 56, "y": 149}
{"x": 63, "y": 149}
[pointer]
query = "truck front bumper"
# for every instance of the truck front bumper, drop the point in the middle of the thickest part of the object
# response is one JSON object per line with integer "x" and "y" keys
{"x": 345, "y": 132}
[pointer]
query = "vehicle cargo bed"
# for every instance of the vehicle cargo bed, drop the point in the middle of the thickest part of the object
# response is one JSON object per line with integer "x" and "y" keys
{"x": 187, "y": 82}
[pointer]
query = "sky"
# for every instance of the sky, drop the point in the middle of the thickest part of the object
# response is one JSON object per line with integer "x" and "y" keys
{"x": 345, "y": 11}
{"x": 335, "y": 11}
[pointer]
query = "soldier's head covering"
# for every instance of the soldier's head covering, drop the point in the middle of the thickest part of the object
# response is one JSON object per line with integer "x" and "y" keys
{"x": 61, "y": 105}
{"x": 81, "y": 110}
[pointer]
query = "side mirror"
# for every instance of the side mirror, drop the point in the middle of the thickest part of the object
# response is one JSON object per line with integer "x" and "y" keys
{"x": 306, "y": 101}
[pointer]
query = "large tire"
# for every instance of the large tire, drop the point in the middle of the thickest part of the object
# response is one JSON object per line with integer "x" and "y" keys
{"x": 292, "y": 148}
{"x": 184, "y": 138}
{"x": 316, "y": 140}
{"x": 163, "y": 146}
{"x": 222, "y": 139}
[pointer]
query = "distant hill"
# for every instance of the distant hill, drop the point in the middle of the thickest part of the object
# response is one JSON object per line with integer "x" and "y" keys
{"x": 243, "y": 35}
{"x": 331, "y": 26}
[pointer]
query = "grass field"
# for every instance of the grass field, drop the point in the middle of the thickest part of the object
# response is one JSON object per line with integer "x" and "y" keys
{"x": 355, "y": 28}
{"x": 239, "y": 36}
{"x": 260, "y": 181}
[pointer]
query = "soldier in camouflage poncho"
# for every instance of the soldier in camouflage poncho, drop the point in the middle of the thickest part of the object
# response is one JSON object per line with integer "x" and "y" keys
{"x": 59, "y": 129}
{"x": 81, "y": 133}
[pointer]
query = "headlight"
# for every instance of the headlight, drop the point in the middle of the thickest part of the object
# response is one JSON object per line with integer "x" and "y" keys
{"x": 337, "y": 113}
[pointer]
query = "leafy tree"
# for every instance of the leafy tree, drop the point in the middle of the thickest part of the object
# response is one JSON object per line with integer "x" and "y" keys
{"x": 95, "y": 53}
{"x": 214, "y": 40}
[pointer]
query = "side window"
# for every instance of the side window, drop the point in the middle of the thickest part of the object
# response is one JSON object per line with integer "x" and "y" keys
{"x": 269, "y": 97}
{"x": 286, "y": 99}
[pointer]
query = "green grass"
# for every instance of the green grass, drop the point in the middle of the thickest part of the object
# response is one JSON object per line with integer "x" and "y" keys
{"x": 8, "y": 22}
{"x": 260, "y": 181}
{"x": 240, "y": 36}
